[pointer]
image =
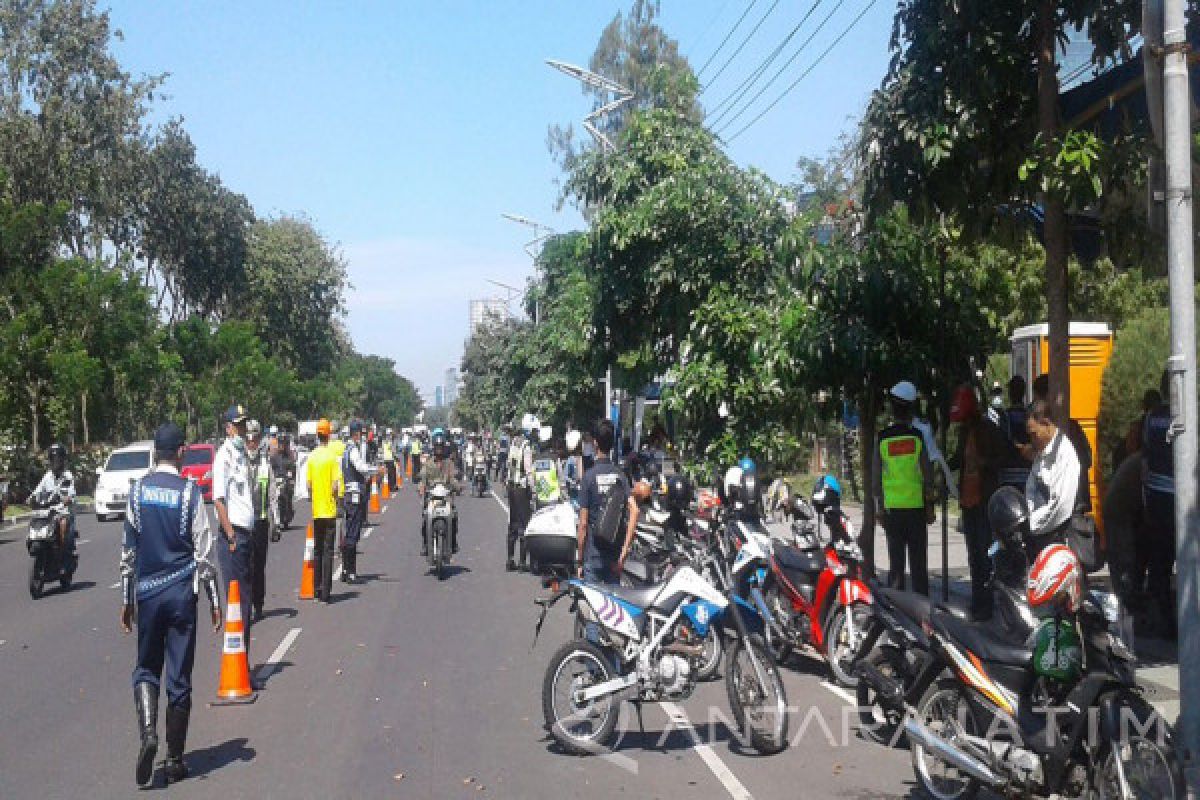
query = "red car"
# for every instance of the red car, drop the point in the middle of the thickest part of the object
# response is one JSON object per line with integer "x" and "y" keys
{"x": 197, "y": 465}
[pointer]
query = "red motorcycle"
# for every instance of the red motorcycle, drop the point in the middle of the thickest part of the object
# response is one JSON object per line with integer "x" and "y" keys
{"x": 816, "y": 594}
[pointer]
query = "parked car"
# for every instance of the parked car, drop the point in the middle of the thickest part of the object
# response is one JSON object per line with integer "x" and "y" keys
{"x": 197, "y": 465}
{"x": 124, "y": 466}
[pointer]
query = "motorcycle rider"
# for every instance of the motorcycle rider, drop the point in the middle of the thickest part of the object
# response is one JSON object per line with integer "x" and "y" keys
{"x": 520, "y": 475}
{"x": 471, "y": 457}
{"x": 59, "y": 476}
{"x": 439, "y": 469}
{"x": 283, "y": 465}
{"x": 357, "y": 476}
{"x": 903, "y": 496}
{"x": 262, "y": 483}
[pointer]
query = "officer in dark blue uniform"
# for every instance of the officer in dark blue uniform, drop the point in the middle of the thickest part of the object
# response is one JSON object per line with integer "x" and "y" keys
{"x": 166, "y": 557}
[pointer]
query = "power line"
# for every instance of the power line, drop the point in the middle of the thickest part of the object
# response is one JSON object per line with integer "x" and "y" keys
{"x": 732, "y": 31}
{"x": 741, "y": 46}
{"x": 744, "y": 86}
{"x": 779, "y": 72}
{"x": 804, "y": 74}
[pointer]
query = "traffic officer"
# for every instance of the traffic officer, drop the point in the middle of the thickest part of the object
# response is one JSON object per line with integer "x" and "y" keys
{"x": 520, "y": 475}
{"x": 389, "y": 459}
{"x": 262, "y": 481}
{"x": 161, "y": 573}
{"x": 415, "y": 451}
{"x": 547, "y": 472}
{"x": 323, "y": 477}
{"x": 903, "y": 496}
{"x": 233, "y": 499}
{"x": 1156, "y": 550}
{"x": 357, "y": 478}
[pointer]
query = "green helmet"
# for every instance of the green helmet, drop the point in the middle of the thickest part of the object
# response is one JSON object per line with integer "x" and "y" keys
{"x": 1057, "y": 651}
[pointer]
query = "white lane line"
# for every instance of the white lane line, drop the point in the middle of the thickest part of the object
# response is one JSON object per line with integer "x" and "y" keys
{"x": 840, "y": 692}
{"x": 116, "y": 585}
{"x": 337, "y": 572}
{"x": 732, "y": 785}
{"x": 369, "y": 530}
{"x": 83, "y": 541}
{"x": 384, "y": 510}
{"x": 267, "y": 669}
{"x": 503, "y": 504}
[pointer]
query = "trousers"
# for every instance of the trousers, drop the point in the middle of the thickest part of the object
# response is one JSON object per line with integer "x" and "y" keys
{"x": 324, "y": 540}
{"x": 166, "y": 636}
{"x": 356, "y": 518}
{"x": 258, "y": 576}
{"x": 519, "y": 510}
{"x": 978, "y": 535}
{"x": 239, "y": 566}
{"x": 907, "y": 535}
{"x": 391, "y": 474}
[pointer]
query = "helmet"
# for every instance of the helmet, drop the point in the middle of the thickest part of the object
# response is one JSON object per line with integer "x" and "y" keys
{"x": 440, "y": 444}
{"x": 356, "y": 426}
{"x": 749, "y": 488}
{"x": 707, "y": 502}
{"x": 732, "y": 483}
{"x": 254, "y": 428}
{"x": 1057, "y": 651}
{"x": 545, "y": 433}
{"x": 274, "y": 430}
{"x": 573, "y": 440}
{"x": 529, "y": 423}
{"x": 904, "y": 391}
{"x": 964, "y": 405}
{"x": 827, "y": 493}
{"x": 679, "y": 492}
{"x": 1008, "y": 512}
{"x": 1055, "y": 581}
{"x": 747, "y": 464}
{"x": 58, "y": 456}
{"x": 323, "y": 427}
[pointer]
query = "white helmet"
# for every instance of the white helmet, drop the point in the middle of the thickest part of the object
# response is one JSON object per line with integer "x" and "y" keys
{"x": 253, "y": 428}
{"x": 545, "y": 434}
{"x": 733, "y": 480}
{"x": 904, "y": 390}
{"x": 573, "y": 439}
{"x": 530, "y": 423}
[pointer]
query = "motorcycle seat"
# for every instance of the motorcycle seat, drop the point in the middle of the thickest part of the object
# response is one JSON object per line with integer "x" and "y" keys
{"x": 987, "y": 642}
{"x": 793, "y": 559}
{"x": 644, "y": 596}
{"x": 913, "y": 605}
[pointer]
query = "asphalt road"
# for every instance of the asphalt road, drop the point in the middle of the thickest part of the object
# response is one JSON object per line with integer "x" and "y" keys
{"x": 403, "y": 687}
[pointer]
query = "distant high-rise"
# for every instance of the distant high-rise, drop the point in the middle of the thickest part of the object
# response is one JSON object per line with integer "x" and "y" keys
{"x": 438, "y": 397}
{"x": 486, "y": 310}
{"x": 451, "y": 386}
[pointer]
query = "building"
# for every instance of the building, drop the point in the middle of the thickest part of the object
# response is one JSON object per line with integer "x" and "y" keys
{"x": 438, "y": 397}
{"x": 450, "y": 390}
{"x": 487, "y": 310}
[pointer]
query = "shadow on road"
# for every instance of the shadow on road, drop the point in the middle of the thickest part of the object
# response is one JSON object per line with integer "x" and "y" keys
{"x": 208, "y": 759}
{"x": 451, "y": 571}
{"x": 263, "y": 673}
{"x": 280, "y": 612}
{"x": 342, "y": 596}
{"x": 77, "y": 586}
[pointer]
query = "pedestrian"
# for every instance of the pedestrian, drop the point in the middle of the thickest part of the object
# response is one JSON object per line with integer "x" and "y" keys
{"x": 520, "y": 477}
{"x": 981, "y": 450}
{"x": 356, "y": 475}
{"x": 166, "y": 556}
{"x": 589, "y": 451}
{"x": 233, "y": 500}
{"x": 1015, "y": 469}
{"x": 600, "y": 561}
{"x": 903, "y": 491}
{"x": 1132, "y": 443}
{"x": 262, "y": 481}
{"x": 1156, "y": 550}
{"x": 1079, "y": 443}
{"x": 1053, "y": 484}
{"x": 323, "y": 479}
{"x": 389, "y": 459}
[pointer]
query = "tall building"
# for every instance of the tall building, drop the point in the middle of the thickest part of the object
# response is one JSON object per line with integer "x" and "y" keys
{"x": 486, "y": 310}
{"x": 438, "y": 397}
{"x": 450, "y": 391}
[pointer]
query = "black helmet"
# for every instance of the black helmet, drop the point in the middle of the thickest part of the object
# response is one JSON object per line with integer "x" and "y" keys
{"x": 58, "y": 457}
{"x": 749, "y": 488}
{"x": 801, "y": 510}
{"x": 440, "y": 445}
{"x": 679, "y": 492}
{"x": 1007, "y": 511}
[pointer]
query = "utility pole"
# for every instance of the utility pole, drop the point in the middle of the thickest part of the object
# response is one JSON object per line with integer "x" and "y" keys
{"x": 1182, "y": 369}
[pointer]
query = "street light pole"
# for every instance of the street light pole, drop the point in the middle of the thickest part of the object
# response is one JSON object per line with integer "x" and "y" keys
{"x": 538, "y": 238}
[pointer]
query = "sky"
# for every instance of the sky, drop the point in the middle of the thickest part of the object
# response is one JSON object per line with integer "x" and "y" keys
{"x": 404, "y": 130}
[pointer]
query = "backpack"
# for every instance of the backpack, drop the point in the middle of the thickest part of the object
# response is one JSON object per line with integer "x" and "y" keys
{"x": 607, "y": 529}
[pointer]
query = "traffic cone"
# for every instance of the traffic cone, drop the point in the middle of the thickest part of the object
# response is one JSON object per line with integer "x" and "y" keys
{"x": 408, "y": 466}
{"x": 234, "y": 687}
{"x": 306, "y": 573}
{"x": 387, "y": 490}
{"x": 374, "y": 507}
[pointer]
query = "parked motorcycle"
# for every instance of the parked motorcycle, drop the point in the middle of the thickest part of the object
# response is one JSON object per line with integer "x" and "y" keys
{"x": 51, "y": 554}
{"x": 441, "y": 524}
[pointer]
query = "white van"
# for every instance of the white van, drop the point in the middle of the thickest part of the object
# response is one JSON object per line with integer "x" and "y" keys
{"x": 124, "y": 466}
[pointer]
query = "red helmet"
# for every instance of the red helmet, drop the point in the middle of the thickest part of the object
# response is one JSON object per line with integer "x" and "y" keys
{"x": 1055, "y": 581}
{"x": 964, "y": 405}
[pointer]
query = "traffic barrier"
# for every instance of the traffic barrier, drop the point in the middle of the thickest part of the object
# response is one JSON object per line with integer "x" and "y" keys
{"x": 306, "y": 573}
{"x": 234, "y": 687}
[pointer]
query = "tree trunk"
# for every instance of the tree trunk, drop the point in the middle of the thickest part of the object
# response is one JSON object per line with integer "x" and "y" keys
{"x": 33, "y": 416}
{"x": 83, "y": 418}
{"x": 869, "y": 410}
{"x": 1054, "y": 228}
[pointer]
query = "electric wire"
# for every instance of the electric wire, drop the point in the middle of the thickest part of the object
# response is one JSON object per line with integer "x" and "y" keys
{"x": 742, "y": 46}
{"x": 732, "y": 31}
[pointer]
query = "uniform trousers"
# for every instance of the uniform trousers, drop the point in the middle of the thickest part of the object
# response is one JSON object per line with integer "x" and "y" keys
{"x": 166, "y": 636}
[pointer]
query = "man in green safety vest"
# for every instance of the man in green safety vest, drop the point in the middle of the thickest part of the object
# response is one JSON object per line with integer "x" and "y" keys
{"x": 547, "y": 487}
{"x": 903, "y": 491}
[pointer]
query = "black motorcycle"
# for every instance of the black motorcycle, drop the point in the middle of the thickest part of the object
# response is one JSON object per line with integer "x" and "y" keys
{"x": 285, "y": 492}
{"x": 52, "y": 554}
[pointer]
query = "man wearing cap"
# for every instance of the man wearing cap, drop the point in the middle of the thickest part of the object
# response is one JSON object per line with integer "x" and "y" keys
{"x": 262, "y": 479}
{"x": 357, "y": 476}
{"x": 903, "y": 491}
{"x": 233, "y": 499}
{"x": 166, "y": 556}
{"x": 323, "y": 478}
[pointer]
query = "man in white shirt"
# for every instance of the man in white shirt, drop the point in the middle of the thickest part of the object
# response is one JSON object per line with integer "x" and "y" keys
{"x": 1053, "y": 481}
{"x": 234, "y": 503}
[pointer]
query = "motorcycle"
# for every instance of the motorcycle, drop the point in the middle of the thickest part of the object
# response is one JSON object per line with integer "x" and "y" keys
{"x": 644, "y": 644}
{"x": 441, "y": 522}
{"x": 479, "y": 476}
{"x": 52, "y": 557}
{"x": 285, "y": 491}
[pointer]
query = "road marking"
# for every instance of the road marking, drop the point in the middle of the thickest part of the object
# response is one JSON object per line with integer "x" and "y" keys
{"x": 337, "y": 572}
{"x": 83, "y": 541}
{"x": 116, "y": 585}
{"x": 370, "y": 529}
{"x": 271, "y": 665}
{"x": 840, "y": 692}
{"x": 732, "y": 785}
{"x": 503, "y": 504}
{"x": 384, "y": 510}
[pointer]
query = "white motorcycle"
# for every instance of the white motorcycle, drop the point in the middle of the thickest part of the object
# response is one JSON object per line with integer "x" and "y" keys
{"x": 440, "y": 526}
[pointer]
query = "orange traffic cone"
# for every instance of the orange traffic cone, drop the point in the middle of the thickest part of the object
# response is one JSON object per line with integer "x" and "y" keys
{"x": 374, "y": 507}
{"x": 306, "y": 573}
{"x": 408, "y": 466}
{"x": 234, "y": 687}
{"x": 387, "y": 490}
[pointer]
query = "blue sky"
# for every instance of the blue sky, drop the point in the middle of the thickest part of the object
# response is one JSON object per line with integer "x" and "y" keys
{"x": 404, "y": 129}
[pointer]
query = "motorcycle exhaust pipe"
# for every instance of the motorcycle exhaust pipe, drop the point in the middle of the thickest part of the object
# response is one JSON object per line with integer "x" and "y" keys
{"x": 889, "y": 692}
{"x": 950, "y": 754}
{"x": 687, "y": 650}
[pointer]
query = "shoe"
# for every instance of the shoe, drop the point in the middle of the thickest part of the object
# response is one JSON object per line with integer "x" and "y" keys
{"x": 145, "y": 696}
{"x": 257, "y": 614}
{"x": 511, "y": 566}
{"x": 174, "y": 770}
{"x": 522, "y": 568}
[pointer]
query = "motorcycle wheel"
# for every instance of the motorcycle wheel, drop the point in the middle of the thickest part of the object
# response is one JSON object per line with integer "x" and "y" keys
{"x": 761, "y": 711}
{"x": 710, "y": 660}
{"x": 781, "y": 648}
{"x": 879, "y": 724}
{"x": 944, "y": 710}
{"x": 1147, "y": 756}
{"x": 581, "y": 728}
{"x": 840, "y": 651}
{"x": 37, "y": 578}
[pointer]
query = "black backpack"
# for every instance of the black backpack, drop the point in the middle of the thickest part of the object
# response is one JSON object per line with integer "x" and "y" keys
{"x": 607, "y": 529}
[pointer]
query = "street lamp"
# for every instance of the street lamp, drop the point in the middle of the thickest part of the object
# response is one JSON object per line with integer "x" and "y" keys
{"x": 589, "y": 78}
{"x": 540, "y": 234}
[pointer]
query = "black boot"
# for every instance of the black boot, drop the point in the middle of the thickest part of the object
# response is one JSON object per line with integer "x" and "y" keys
{"x": 177, "y": 724}
{"x": 524, "y": 563}
{"x": 145, "y": 697}
{"x": 350, "y": 565}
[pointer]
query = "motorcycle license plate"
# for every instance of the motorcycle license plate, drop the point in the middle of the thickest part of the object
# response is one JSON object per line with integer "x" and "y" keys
{"x": 120, "y": 498}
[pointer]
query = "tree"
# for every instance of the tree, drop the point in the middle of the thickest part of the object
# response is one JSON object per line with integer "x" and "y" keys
{"x": 835, "y": 180}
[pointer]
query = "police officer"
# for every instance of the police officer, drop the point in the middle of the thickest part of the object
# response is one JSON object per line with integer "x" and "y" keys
{"x": 161, "y": 572}
{"x": 233, "y": 499}
{"x": 1156, "y": 550}
{"x": 547, "y": 472}
{"x": 389, "y": 459}
{"x": 520, "y": 473}
{"x": 415, "y": 452}
{"x": 357, "y": 477}
{"x": 262, "y": 482}
{"x": 903, "y": 497}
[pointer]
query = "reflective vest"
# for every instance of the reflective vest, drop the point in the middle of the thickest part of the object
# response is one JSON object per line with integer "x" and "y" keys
{"x": 387, "y": 451}
{"x": 1156, "y": 450}
{"x": 416, "y": 447}
{"x": 545, "y": 481}
{"x": 900, "y": 459}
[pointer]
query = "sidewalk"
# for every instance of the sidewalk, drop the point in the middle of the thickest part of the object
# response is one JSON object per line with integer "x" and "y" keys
{"x": 1158, "y": 659}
